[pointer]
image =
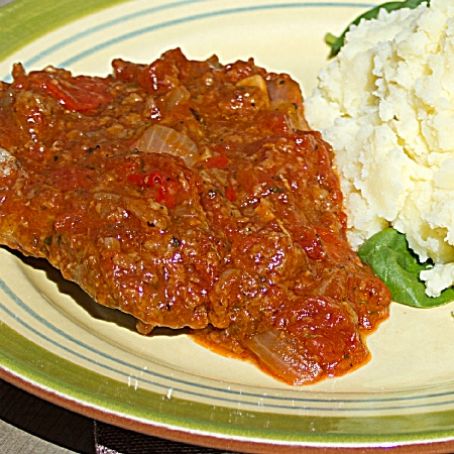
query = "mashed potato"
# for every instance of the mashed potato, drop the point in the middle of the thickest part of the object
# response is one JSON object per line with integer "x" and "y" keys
{"x": 386, "y": 104}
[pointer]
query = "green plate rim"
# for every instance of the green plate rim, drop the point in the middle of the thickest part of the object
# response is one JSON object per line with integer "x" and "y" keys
{"x": 44, "y": 369}
{"x": 23, "y": 21}
{"x": 26, "y": 20}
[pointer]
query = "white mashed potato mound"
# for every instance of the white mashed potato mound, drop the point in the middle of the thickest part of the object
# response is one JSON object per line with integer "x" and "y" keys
{"x": 386, "y": 105}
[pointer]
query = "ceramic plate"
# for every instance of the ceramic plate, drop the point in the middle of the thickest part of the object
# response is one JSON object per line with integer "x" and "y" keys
{"x": 56, "y": 343}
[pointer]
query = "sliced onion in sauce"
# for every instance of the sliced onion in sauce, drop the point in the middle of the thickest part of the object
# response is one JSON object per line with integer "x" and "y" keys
{"x": 162, "y": 139}
{"x": 284, "y": 91}
{"x": 286, "y": 96}
{"x": 281, "y": 357}
{"x": 256, "y": 81}
{"x": 176, "y": 97}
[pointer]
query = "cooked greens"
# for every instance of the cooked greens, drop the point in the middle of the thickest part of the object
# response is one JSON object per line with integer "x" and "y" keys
{"x": 336, "y": 42}
{"x": 388, "y": 254}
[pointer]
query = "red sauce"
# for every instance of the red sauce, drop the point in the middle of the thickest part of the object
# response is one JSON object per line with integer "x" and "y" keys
{"x": 190, "y": 194}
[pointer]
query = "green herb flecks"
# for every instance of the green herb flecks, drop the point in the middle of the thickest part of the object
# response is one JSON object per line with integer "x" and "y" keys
{"x": 388, "y": 254}
{"x": 336, "y": 42}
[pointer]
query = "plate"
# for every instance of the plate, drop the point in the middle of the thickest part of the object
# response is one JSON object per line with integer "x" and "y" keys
{"x": 56, "y": 343}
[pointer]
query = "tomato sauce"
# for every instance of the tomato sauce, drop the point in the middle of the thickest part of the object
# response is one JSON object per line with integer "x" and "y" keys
{"x": 190, "y": 194}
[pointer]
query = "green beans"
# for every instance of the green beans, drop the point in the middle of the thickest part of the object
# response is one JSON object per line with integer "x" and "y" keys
{"x": 336, "y": 42}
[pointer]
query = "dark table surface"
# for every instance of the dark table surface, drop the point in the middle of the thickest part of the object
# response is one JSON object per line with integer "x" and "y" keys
{"x": 29, "y": 424}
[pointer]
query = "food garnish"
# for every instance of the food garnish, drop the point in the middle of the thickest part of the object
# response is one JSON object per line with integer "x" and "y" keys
{"x": 388, "y": 254}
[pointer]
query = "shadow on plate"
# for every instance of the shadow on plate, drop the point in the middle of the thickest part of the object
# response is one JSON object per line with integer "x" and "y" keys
{"x": 95, "y": 310}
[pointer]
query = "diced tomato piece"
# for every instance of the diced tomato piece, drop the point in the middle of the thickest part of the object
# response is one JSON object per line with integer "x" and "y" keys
{"x": 311, "y": 242}
{"x": 217, "y": 162}
{"x": 165, "y": 189}
{"x": 137, "y": 179}
{"x": 230, "y": 193}
{"x": 154, "y": 179}
{"x": 166, "y": 195}
{"x": 343, "y": 220}
{"x": 80, "y": 94}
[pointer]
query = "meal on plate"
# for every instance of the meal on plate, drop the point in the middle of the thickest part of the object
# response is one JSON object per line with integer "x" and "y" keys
{"x": 386, "y": 105}
{"x": 190, "y": 194}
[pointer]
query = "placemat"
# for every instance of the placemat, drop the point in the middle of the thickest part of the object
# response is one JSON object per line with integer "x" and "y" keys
{"x": 113, "y": 440}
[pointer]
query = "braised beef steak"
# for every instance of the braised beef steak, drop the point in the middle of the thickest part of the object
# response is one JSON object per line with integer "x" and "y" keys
{"x": 190, "y": 194}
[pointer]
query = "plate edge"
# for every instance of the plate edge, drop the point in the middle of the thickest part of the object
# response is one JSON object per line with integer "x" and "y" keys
{"x": 18, "y": 16}
{"x": 26, "y": 374}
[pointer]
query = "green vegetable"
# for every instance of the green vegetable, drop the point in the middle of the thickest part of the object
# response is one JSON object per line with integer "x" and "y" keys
{"x": 388, "y": 254}
{"x": 336, "y": 42}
